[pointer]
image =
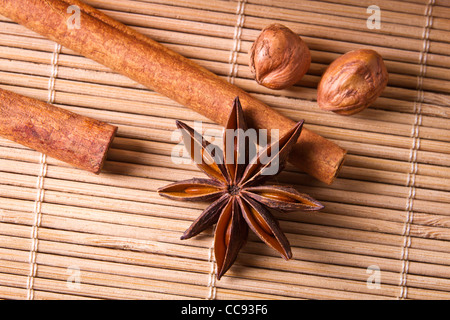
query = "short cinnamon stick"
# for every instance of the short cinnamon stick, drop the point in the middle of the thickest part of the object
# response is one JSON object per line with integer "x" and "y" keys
{"x": 126, "y": 51}
{"x": 80, "y": 141}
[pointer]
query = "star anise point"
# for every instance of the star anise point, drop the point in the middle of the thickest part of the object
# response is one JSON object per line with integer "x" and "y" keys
{"x": 241, "y": 200}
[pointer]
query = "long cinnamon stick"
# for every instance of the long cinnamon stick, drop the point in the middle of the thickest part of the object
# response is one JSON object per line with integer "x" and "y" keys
{"x": 80, "y": 141}
{"x": 126, "y": 51}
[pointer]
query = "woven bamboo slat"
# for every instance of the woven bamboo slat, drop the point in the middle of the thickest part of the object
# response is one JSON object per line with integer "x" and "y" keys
{"x": 67, "y": 234}
{"x": 416, "y": 18}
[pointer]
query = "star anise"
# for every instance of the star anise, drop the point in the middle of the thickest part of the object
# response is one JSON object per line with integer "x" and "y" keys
{"x": 236, "y": 184}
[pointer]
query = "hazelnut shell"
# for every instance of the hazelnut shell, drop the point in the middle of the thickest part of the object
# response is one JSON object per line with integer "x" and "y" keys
{"x": 352, "y": 82}
{"x": 279, "y": 58}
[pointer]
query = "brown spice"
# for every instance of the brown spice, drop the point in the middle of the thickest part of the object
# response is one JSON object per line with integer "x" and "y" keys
{"x": 128, "y": 52}
{"x": 241, "y": 199}
{"x": 80, "y": 141}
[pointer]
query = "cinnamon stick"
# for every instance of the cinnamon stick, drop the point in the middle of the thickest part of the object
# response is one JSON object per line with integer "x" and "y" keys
{"x": 126, "y": 51}
{"x": 80, "y": 141}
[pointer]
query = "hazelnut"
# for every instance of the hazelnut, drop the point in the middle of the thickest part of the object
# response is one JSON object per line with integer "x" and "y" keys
{"x": 352, "y": 82}
{"x": 279, "y": 58}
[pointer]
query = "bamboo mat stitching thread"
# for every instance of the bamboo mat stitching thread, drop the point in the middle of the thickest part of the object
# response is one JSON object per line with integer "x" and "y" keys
{"x": 237, "y": 41}
{"x": 232, "y": 74}
{"x": 212, "y": 274}
{"x": 414, "y": 149}
{"x": 37, "y": 210}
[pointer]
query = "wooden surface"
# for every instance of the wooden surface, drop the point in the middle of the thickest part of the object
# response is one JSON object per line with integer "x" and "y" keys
{"x": 68, "y": 234}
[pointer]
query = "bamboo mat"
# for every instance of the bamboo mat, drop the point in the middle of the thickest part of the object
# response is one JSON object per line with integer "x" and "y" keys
{"x": 385, "y": 229}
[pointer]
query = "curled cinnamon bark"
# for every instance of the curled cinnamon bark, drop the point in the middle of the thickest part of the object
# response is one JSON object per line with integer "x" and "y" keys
{"x": 128, "y": 52}
{"x": 80, "y": 141}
